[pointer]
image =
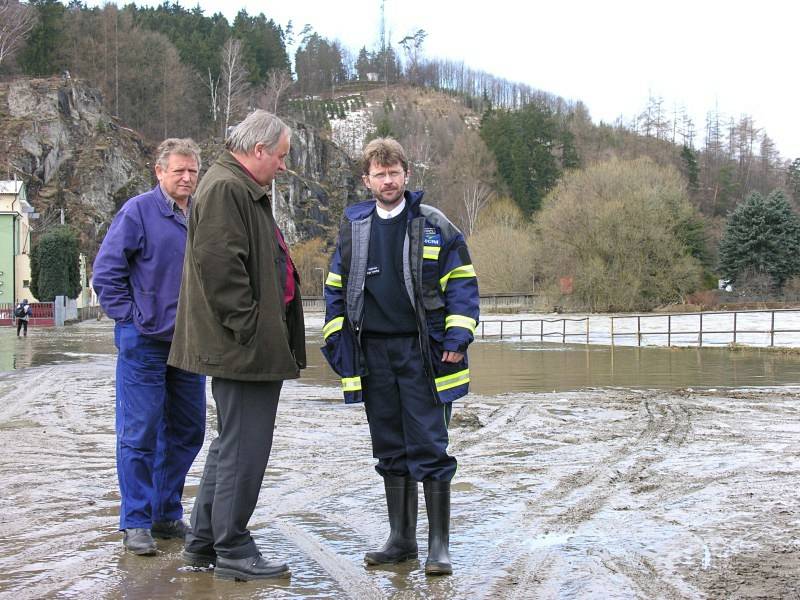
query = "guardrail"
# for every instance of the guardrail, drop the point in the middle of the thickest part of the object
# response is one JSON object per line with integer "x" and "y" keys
{"x": 747, "y": 327}
{"x": 735, "y": 331}
{"x": 517, "y": 302}
{"x": 542, "y": 334}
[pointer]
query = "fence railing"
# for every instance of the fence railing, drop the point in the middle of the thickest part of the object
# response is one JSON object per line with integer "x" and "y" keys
{"x": 542, "y": 334}
{"x": 736, "y": 331}
{"x": 749, "y": 327}
{"x": 42, "y": 314}
{"x": 489, "y": 303}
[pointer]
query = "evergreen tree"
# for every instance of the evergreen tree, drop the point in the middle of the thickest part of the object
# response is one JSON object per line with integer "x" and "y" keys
{"x": 793, "y": 179}
{"x": 55, "y": 269}
{"x": 319, "y": 65}
{"x": 262, "y": 44}
{"x": 363, "y": 64}
{"x": 42, "y": 50}
{"x": 523, "y": 143}
{"x": 762, "y": 236}
{"x": 691, "y": 168}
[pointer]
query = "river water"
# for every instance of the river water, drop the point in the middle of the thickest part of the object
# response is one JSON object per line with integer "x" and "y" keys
{"x": 497, "y": 367}
{"x": 583, "y": 472}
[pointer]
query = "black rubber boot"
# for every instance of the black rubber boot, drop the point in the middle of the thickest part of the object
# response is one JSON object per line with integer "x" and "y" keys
{"x": 401, "y": 501}
{"x": 437, "y": 503}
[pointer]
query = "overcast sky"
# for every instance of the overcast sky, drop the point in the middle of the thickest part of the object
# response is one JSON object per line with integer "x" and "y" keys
{"x": 736, "y": 55}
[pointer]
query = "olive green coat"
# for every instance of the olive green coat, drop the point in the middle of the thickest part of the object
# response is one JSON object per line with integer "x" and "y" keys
{"x": 231, "y": 321}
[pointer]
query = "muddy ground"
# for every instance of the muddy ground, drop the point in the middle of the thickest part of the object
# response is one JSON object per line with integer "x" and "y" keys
{"x": 596, "y": 493}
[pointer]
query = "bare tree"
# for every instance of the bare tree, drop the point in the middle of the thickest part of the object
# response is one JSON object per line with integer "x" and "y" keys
{"x": 472, "y": 174}
{"x": 421, "y": 156}
{"x": 278, "y": 82}
{"x": 213, "y": 95}
{"x": 16, "y": 21}
{"x": 234, "y": 84}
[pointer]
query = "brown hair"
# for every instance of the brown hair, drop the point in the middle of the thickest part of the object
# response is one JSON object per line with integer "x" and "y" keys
{"x": 385, "y": 152}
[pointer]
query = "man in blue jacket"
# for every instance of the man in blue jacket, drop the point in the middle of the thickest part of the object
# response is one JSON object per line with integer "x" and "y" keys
{"x": 401, "y": 308}
{"x": 160, "y": 410}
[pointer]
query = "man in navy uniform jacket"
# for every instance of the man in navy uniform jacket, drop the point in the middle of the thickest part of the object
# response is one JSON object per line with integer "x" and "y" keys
{"x": 401, "y": 308}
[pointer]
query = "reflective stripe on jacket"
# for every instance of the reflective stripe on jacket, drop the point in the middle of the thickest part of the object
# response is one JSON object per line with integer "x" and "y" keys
{"x": 440, "y": 282}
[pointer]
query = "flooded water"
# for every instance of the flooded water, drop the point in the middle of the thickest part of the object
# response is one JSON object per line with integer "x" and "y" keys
{"x": 496, "y": 367}
{"x": 642, "y": 489}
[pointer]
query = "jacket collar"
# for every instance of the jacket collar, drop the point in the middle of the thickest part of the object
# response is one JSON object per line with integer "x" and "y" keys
{"x": 362, "y": 210}
{"x": 164, "y": 203}
{"x": 229, "y": 161}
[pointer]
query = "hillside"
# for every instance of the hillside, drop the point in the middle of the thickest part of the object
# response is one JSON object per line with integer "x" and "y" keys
{"x": 57, "y": 135}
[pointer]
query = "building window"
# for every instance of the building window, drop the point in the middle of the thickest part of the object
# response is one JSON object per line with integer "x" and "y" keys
{"x": 26, "y": 283}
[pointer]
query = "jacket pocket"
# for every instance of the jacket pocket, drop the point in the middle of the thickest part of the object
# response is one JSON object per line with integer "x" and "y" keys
{"x": 443, "y": 369}
{"x": 332, "y": 351}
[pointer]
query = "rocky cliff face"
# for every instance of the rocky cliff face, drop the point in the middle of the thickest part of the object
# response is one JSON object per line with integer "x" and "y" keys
{"x": 57, "y": 136}
{"x": 322, "y": 180}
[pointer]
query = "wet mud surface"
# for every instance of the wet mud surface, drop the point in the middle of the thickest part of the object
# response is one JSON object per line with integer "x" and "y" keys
{"x": 596, "y": 493}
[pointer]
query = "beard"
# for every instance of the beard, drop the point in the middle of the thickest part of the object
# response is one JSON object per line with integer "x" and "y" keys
{"x": 391, "y": 196}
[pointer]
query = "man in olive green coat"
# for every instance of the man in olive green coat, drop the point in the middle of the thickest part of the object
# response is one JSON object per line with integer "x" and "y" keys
{"x": 240, "y": 320}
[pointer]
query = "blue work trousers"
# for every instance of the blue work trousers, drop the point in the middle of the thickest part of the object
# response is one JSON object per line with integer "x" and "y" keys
{"x": 407, "y": 425}
{"x": 160, "y": 424}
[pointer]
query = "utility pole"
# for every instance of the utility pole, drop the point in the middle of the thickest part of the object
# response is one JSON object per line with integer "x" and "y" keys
{"x": 383, "y": 46}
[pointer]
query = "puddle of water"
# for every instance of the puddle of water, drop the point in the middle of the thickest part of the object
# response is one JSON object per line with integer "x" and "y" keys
{"x": 548, "y": 540}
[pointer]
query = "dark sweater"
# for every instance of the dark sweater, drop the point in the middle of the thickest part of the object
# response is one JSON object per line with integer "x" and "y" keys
{"x": 387, "y": 308}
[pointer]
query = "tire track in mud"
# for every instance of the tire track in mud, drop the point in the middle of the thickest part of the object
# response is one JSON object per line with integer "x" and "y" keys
{"x": 56, "y": 527}
{"x": 666, "y": 428}
{"x": 578, "y": 496}
{"x": 351, "y": 579}
{"x": 644, "y": 577}
{"x": 25, "y": 391}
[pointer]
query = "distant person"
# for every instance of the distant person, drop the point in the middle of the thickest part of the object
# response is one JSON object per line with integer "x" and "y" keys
{"x": 160, "y": 410}
{"x": 240, "y": 320}
{"x": 22, "y": 312}
{"x": 401, "y": 308}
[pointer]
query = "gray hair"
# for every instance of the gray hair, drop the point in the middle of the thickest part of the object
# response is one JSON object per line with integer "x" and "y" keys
{"x": 259, "y": 127}
{"x": 182, "y": 146}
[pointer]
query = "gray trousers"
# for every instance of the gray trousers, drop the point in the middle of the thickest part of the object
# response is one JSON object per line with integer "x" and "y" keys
{"x": 234, "y": 468}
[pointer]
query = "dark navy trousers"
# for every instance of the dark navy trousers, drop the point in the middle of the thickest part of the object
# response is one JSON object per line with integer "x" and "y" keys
{"x": 160, "y": 424}
{"x": 407, "y": 425}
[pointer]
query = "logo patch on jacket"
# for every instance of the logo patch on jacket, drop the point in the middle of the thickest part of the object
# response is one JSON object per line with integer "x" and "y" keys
{"x": 432, "y": 237}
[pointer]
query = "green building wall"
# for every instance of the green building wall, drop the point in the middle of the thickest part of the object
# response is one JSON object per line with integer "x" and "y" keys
{"x": 8, "y": 249}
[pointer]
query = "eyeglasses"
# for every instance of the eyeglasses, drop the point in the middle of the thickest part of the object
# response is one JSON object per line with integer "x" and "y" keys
{"x": 384, "y": 175}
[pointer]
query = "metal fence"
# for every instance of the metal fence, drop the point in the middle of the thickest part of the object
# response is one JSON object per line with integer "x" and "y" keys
{"x": 513, "y": 325}
{"x": 516, "y": 302}
{"x": 703, "y": 329}
{"x": 748, "y": 327}
{"x": 42, "y": 314}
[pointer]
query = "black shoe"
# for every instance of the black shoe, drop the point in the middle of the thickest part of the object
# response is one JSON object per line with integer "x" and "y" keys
{"x": 139, "y": 541}
{"x": 401, "y": 501}
{"x": 437, "y": 503}
{"x": 168, "y": 530}
{"x": 252, "y": 567}
{"x": 200, "y": 560}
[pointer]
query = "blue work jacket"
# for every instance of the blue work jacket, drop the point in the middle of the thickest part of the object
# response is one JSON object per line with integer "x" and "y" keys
{"x": 137, "y": 272}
